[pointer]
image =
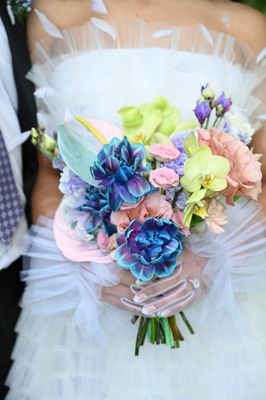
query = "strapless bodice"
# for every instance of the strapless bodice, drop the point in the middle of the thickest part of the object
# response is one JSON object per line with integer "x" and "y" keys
{"x": 87, "y": 71}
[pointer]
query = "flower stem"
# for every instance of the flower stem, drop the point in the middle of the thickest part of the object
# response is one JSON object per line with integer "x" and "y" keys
{"x": 215, "y": 122}
{"x": 175, "y": 198}
{"x": 207, "y": 122}
{"x": 137, "y": 346}
{"x": 184, "y": 318}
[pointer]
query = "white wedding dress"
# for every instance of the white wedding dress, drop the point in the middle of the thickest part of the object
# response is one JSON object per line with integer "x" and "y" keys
{"x": 70, "y": 345}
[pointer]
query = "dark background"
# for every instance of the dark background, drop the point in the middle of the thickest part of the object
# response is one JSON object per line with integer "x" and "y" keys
{"x": 259, "y": 4}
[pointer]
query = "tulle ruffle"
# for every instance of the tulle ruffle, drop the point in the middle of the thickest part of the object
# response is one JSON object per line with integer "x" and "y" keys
{"x": 128, "y": 62}
{"x": 224, "y": 360}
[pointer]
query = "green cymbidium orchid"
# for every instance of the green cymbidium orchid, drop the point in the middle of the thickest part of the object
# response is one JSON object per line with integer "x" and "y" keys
{"x": 205, "y": 170}
{"x": 150, "y": 123}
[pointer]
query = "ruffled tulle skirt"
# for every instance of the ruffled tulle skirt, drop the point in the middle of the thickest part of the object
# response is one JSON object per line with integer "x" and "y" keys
{"x": 72, "y": 347}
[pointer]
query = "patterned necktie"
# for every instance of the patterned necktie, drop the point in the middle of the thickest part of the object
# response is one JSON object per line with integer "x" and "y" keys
{"x": 11, "y": 210}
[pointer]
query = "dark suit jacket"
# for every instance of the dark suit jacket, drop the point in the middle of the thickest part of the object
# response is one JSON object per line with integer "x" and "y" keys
{"x": 10, "y": 286}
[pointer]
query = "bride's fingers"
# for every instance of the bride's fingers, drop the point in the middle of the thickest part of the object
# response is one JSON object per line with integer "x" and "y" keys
{"x": 127, "y": 278}
{"x": 118, "y": 291}
{"x": 178, "y": 307}
{"x": 157, "y": 288}
{"x": 123, "y": 304}
{"x": 179, "y": 296}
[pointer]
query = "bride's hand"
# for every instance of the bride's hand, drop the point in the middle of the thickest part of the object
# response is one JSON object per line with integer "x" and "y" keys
{"x": 120, "y": 295}
{"x": 168, "y": 296}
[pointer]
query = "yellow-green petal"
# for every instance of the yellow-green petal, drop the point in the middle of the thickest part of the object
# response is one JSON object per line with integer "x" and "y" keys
{"x": 217, "y": 184}
{"x": 192, "y": 185}
{"x": 218, "y": 166}
{"x": 197, "y": 196}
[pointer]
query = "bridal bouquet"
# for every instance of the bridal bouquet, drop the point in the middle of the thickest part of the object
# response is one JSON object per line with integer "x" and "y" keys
{"x": 135, "y": 195}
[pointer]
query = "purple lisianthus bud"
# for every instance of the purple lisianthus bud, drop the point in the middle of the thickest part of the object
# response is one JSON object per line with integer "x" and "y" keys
{"x": 202, "y": 111}
{"x": 207, "y": 92}
{"x": 222, "y": 105}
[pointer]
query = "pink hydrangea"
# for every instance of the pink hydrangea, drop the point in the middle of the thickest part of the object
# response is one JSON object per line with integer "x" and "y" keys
{"x": 153, "y": 205}
{"x": 105, "y": 242}
{"x": 245, "y": 175}
{"x": 164, "y": 152}
{"x": 164, "y": 178}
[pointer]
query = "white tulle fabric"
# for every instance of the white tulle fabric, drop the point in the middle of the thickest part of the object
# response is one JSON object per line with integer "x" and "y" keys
{"x": 71, "y": 346}
{"x": 96, "y": 69}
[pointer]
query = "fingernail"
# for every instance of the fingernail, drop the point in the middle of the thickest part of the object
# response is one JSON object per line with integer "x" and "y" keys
{"x": 139, "y": 298}
{"x": 148, "y": 310}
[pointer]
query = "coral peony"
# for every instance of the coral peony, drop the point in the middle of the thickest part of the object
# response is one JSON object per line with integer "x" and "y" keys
{"x": 245, "y": 175}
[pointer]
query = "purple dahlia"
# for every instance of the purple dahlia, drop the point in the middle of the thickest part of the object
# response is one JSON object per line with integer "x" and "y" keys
{"x": 150, "y": 248}
{"x": 119, "y": 168}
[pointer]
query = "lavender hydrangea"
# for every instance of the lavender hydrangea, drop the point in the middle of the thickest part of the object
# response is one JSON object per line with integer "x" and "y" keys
{"x": 178, "y": 140}
{"x": 178, "y": 164}
{"x": 70, "y": 183}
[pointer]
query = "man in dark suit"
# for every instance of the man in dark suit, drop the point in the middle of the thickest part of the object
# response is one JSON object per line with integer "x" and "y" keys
{"x": 20, "y": 110}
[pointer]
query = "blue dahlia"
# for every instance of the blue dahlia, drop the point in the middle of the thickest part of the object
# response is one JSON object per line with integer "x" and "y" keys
{"x": 96, "y": 205}
{"x": 119, "y": 168}
{"x": 150, "y": 248}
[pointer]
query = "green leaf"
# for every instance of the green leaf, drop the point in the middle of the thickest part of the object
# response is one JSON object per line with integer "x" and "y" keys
{"x": 77, "y": 155}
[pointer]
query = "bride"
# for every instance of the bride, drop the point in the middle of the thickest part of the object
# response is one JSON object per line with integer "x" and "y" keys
{"x": 75, "y": 340}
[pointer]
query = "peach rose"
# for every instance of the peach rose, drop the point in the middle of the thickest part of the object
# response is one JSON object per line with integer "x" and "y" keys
{"x": 153, "y": 205}
{"x": 245, "y": 175}
{"x": 164, "y": 178}
{"x": 164, "y": 152}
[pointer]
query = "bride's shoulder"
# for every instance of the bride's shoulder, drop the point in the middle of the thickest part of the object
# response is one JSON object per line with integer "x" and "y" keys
{"x": 249, "y": 25}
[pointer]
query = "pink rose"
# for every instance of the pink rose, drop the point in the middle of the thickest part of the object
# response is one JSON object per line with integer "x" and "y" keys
{"x": 164, "y": 152}
{"x": 105, "y": 242}
{"x": 216, "y": 217}
{"x": 153, "y": 205}
{"x": 177, "y": 218}
{"x": 164, "y": 178}
{"x": 245, "y": 175}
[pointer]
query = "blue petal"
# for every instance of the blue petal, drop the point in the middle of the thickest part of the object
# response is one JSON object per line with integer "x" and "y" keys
{"x": 124, "y": 258}
{"x": 143, "y": 272}
{"x": 138, "y": 186}
{"x": 171, "y": 247}
{"x": 114, "y": 198}
{"x": 126, "y": 196}
{"x": 165, "y": 269}
{"x": 121, "y": 176}
{"x": 138, "y": 151}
